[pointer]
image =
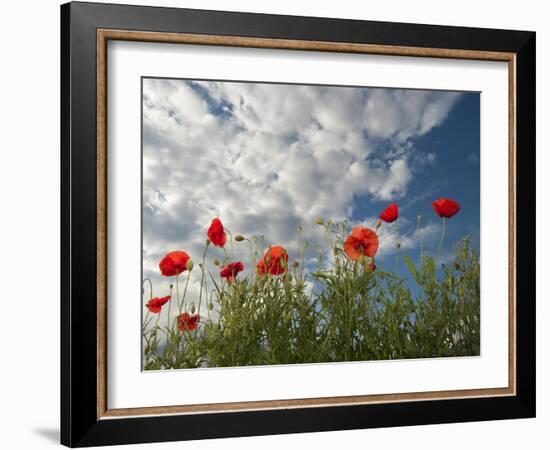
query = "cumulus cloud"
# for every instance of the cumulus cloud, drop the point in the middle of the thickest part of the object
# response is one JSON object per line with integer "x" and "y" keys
{"x": 267, "y": 158}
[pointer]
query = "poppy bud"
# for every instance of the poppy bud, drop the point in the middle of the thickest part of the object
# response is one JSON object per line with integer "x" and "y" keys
{"x": 319, "y": 221}
{"x": 239, "y": 238}
{"x": 398, "y": 245}
{"x": 378, "y": 223}
{"x": 189, "y": 265}
{"x": 193, "y": 309}
{"x": 171, "y": 286}
{"x": 207, "y": 242}
{"x": 295, "y": 264}
{"x": 216, "y": 262}
{"x": 211, "y": 306}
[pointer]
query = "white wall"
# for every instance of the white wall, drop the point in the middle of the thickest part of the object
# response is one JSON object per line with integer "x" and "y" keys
{"x": 29, "y": 181}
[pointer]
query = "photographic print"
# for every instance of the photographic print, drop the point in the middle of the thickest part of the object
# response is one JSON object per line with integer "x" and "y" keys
{"x": 294, "y": 224}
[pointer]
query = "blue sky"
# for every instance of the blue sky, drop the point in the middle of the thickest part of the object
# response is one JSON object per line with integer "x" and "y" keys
{"x": 454, "y": 173}
{"x": 267, "y": 158}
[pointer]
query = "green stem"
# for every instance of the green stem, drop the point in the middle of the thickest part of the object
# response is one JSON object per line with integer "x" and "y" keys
{"x": 170, "y": 306}
{"x": 157, "y": 321}
{"x": 398, "y": 248}
{"x": 178, "y": 291}
{"x": 252, "y": 253}
{"x": 150, "y": 297}
{"x": 202, "y": 282}
{"x": 226, "y": 257}
{"x": 443, "y": 227}
{"x": 150, "y": 286}
{"x": 182, "y": 304}
{"x": 145, "y": 322}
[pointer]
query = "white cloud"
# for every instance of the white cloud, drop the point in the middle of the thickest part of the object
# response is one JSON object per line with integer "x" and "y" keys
{"x": 267, "y": 158}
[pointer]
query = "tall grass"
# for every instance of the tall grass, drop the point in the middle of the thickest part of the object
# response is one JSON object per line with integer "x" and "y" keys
{"x": 341, "y": 310}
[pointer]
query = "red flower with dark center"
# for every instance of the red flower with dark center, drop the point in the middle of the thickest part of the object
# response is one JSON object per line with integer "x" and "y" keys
{"x": 275, "y": 260}
{"x": 361, "y": 242}
{"x": 174, "y": 263}
{"x": 390, "y": 214}
{"x": 216, "y": 234}
{"x": 231, "y": 270}
{"x": 188, "y": 322}
{"x": 446, "y": 207}
{"x": 155, "y": 304}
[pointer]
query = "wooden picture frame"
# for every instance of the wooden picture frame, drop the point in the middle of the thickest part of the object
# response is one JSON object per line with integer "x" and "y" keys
{"x": 86, "y": 418}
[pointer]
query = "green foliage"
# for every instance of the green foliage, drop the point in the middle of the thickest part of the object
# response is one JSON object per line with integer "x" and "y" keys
{"x": 345, "y": 312}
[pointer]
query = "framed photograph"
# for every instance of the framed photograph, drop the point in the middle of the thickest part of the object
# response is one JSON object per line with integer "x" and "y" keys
{"x": 277, "y": 224}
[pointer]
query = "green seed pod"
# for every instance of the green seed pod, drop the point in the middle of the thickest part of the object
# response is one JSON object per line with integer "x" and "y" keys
{"x": 216, "y": 262}
{"x": 193, "y": 309}
{"x": 295, "y": 264}
{"x": 211, "y": 306}
{"x": 239, "y": 238}
{"x": 319, "y": 221}
{"x": 189, "y": 265}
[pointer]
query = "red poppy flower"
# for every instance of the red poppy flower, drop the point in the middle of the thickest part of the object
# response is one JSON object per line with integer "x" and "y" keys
{"x": 275, "y": 260}
{"x": 231, "y": 270}
{"x": 390, "y": 214}
{"x": 155, "y": 304}
{"x": 361, "y": 241}
{"x": 371, "y": 267}
{"x": 174, "y": 263}
{"x": 188, "y": 322}
{"x": 216, "y": 234}
{"x": 445, "y": 207}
